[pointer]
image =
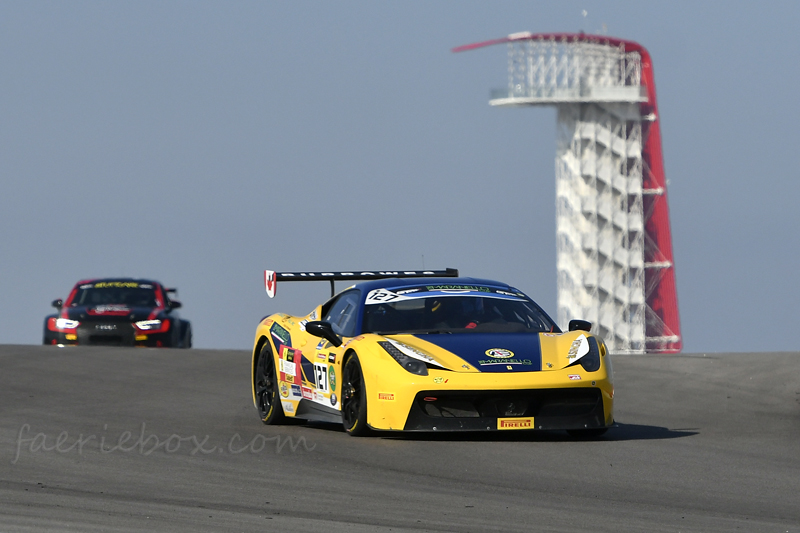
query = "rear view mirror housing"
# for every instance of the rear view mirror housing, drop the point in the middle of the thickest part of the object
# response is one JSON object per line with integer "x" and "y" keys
{"x": 324, "y": 330}
{"x": 579, "y": 325}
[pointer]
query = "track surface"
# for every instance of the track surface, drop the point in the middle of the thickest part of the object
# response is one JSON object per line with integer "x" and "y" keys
{"x": 703, "y": 443}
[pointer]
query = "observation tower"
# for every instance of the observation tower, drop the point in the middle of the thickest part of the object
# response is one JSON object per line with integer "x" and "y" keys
{"x": 613, "y": 241}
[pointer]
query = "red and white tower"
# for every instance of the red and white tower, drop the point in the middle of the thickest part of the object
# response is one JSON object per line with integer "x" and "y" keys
{"x": 613, "y": 241}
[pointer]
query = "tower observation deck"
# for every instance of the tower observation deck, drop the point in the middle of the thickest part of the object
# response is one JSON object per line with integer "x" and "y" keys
{"x": 613, "y": 241}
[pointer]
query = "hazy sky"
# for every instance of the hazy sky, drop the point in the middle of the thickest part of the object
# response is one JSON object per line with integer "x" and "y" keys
{"x": 199, "y": 143}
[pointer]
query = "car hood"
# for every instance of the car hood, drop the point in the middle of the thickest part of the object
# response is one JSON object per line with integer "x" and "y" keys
{"x": 492, "y": 352}
{"x": 496, "y": 352}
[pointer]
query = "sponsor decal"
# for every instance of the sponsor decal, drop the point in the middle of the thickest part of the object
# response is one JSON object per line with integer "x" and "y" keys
{"x": 321, "y": 355}
{"x": 379, "y": 296}
{"x": 112, "y": 309}
{"x": 387, "y": 396}
{"x": 291, "y": 354}
{"x": 578, "y": 349}
{"x": 290, "y": 369}
{"x": 506, "y": 293}
{"x": 307, "y": 393}
{"x": 319, "y": 397}
{"x": 296, "y": 392}
{"x": 280, "y": 335}
{"x": 303, "y": 324}
{"x": 321, "y": 344}
{"x": 333, "y": 400}
{"x": 284, "y": 390}
{"x": 288, "y": 407}
{"x": 459, "y": 288}
{"x": 289, "y": 378}
{"x": 440, "y": 380}
{"x": 574, "y": 377}
{"x": 486, "y": 362}
{"x": 499, "y": 353}
{"x": 338, "y": 275}
{"x": 313, "y": 315}
{"x": 321, "y": 374}
{"x": 407, "y": 291}
{"x": 332, "y": 377}
{"x": 331, "y": 358}
{"x": 108, "y": 327}
{"x": 509, "y": 367}
{"x": 515, "y": 423}
{"x": 116, "y": 284}
{"x": 465, "y": 366}
{"x": 550, "y": 334}
{"x": 549, "y": 365}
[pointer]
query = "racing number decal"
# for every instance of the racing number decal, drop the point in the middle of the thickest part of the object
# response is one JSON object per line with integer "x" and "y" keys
{"x": 321, "y": 375}
{"x": 381, "y": 295}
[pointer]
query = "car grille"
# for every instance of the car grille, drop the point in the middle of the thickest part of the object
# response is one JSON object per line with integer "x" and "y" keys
{"x": 106, "y": 333}
{"x": 551, "y": 408}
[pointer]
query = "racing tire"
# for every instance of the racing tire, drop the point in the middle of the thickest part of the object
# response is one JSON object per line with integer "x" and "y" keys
{"x": 265, "y": 384}
{"x": 354, "y": 398}
{"x": 592, "y": 433}
{"x": 186, "y": 341}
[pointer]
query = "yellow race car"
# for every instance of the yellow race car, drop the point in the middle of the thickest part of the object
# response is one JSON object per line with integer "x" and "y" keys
{"x": 429, "y": 351}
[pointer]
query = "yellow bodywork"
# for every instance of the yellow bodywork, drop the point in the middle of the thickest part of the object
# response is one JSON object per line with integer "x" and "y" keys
{"x": 391, "y": 390}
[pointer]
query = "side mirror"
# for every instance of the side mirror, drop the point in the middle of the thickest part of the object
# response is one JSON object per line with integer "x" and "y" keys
{"x": 175, "y": 304}
{"x": 58, "y": 304}
{"x": 323, "y": 330}
{"x": 580, "y": 325}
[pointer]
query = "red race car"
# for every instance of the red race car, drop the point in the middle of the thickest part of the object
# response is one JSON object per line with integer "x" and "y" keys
{"x": 118, "y": 312}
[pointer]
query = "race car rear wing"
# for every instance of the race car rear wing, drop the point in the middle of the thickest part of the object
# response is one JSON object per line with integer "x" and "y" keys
{"x": 271, "y": 278}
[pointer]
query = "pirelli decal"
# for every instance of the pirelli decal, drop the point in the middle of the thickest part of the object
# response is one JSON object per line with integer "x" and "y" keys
{"x": 515, "y": 423}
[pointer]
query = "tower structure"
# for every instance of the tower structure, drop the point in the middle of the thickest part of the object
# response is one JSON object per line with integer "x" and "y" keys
{"x": 613, "y": 241}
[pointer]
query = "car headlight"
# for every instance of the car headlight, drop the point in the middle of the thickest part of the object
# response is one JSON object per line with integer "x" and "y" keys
{"x": 66, "y": 323}
{"x": 415, "y": 366}
{"x": 148, "y": 324}
{"x": 591, "y": 361}
{"x": 585, "y": 350}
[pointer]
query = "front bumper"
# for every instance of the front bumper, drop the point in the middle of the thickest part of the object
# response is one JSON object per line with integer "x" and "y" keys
{"x": 108, "y": 334}
{"x": 496, "y": 410}
{"x": 570, "y": 398}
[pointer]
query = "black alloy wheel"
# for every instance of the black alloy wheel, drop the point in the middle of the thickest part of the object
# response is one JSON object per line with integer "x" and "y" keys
{"x": 268, "y": 400}
{"x": 354, "y": 398}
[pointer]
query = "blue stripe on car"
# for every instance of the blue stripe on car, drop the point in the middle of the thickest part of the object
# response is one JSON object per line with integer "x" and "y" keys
{"x": 473, "y": 348}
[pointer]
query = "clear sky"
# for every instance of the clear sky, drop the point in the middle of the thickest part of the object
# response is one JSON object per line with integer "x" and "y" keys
{"x": 199, "y": 143}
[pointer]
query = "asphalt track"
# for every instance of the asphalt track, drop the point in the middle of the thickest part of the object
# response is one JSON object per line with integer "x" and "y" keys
{"x": 115, "y": 439}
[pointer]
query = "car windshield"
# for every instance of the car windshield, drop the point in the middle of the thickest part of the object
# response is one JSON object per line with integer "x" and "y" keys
{"x": 139, "y": 296}
{"x": 442, "y": 313}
